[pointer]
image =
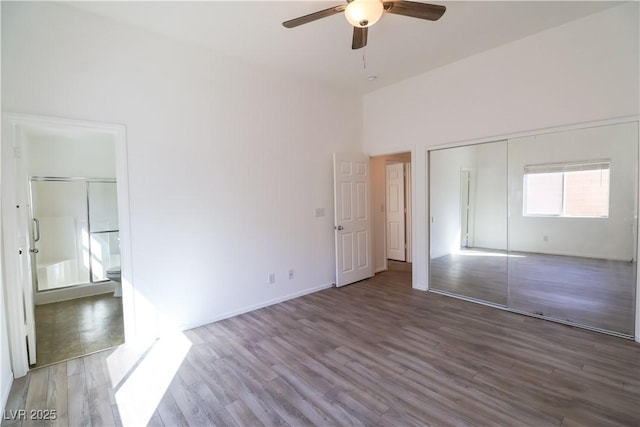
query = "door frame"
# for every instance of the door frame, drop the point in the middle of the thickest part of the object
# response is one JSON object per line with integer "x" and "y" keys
{"x": 470, "y": 207}
{"x": 412, "y": 205}
{"x": 11, "y": 146}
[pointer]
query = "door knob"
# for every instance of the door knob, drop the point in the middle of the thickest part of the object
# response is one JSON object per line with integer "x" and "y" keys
{"x": 34, "y": 250}
{"x": 339, "y": 228}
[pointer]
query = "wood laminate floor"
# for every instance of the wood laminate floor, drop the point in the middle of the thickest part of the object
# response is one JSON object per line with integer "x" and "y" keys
{"x": 375, "y": 353}
{"x": 593, "y": 292}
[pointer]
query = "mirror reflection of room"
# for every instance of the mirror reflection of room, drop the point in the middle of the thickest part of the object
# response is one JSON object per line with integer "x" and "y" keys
{"x": 544, "y": 224}
{"x": 573, "y": 225}
{"x": 468, "y": 203}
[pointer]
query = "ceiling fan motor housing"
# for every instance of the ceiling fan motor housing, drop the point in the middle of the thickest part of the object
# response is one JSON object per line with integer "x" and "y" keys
{"x": 364, "y": 13}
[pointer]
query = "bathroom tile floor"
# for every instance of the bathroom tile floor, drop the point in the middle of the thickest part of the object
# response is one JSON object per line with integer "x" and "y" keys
{"x": 73, "y": 328}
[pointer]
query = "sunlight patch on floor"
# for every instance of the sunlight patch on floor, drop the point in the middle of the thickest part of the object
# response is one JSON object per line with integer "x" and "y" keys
{"x": 139, "y": 395}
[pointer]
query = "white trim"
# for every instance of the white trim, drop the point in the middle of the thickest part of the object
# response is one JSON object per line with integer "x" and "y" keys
{"x": 4, "y": 330}
{"x": 16, "y": 329}
{"x": 637, "y": 330}
{"x": 533, "y": 132}
{"x": 65, "y": 294}
{"x": 380, "y": 269}
{"x": 415, "y": 284}
{"x": 257, "y": 306}
{"x": 409, "y": 212}
{"x": 426, "y": 262}
{"x": 587, "y": 165}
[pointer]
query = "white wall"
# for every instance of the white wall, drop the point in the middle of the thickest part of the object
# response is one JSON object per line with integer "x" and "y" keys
{"x": 227, "y": 161}
{"x": 583, "y": 71}
{"x": 490, "y": 207}
{"x": 74, "y": 154}
{"x": 445, "y": 200}
{"x": 608, "y": 238}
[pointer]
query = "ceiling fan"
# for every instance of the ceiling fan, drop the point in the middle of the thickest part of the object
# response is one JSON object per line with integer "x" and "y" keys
{"x": 364, "y": 13}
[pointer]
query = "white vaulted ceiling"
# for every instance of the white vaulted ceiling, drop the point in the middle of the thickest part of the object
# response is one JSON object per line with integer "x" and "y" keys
{"x": 398, "y": 47}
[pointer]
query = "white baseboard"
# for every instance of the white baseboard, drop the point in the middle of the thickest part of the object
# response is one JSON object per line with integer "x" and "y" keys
{"x": 257, "y": 306}
{"x": 575, "y": 254}
{"x": 421, "y": 286}
{"x": 380, "y": 270}
{"x": 74, "y": 292}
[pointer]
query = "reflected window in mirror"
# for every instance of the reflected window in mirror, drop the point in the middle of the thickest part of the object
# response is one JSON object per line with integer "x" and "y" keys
{"x": 569, "y": 190}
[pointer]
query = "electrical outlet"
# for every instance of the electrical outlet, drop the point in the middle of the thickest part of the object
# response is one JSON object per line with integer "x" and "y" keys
{"x": 290, "y": 274}
{"x": 545, "y": 238}
{"x": 272, "y": 278}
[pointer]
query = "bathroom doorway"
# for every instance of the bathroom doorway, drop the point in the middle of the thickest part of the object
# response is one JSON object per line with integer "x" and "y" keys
{"x": 73, "y": 225}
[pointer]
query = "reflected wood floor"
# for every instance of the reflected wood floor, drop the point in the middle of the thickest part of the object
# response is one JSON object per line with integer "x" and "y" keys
{"x": 594, "y": 292}
{"x": 372, "y": 353}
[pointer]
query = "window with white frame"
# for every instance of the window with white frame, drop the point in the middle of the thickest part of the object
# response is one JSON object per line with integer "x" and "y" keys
{"x": 567, "y": 189}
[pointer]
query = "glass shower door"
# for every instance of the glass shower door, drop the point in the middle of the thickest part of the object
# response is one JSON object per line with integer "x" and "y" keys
{"x": 60, "y": 231}
{"x": 103, "y": 236}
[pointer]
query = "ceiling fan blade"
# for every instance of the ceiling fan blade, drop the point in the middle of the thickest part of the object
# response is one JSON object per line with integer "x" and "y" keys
{"x": 359, "y": 37}
{"x": 313, "y": 16}
{"x": 432, "y": 12}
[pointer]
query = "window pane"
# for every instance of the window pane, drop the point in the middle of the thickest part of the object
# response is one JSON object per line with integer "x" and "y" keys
{"x": 587, "y": 193}
{"x": 543, "y": 194}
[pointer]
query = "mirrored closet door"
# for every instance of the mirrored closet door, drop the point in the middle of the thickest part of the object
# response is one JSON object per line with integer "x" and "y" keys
{"x": 468, "y": 200}
{"x": 545, "y": 224}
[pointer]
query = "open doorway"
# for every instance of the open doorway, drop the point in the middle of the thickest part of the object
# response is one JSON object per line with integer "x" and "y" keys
{"x": 391, "y": 182}
{"x": 75, "y": 251}
{"x": 65, "y": 211}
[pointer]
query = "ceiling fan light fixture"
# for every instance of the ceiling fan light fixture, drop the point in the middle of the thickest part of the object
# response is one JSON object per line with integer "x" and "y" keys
{"x": 364, "y": 13}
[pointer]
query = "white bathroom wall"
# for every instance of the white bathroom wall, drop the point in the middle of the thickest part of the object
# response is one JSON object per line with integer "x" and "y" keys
{"x": 607, "y": 238}
{"x": 227, "y": 161}
{"x": 69, "y": 154}
{"x": 583, "y": 71}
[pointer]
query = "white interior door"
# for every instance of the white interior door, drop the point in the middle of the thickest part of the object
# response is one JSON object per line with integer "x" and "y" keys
{"x": 352, "y": 218}
{"x": 396, "y": 248}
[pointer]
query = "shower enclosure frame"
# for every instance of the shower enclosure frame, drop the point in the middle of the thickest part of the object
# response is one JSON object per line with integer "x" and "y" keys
{"x": 36, "y": 227}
